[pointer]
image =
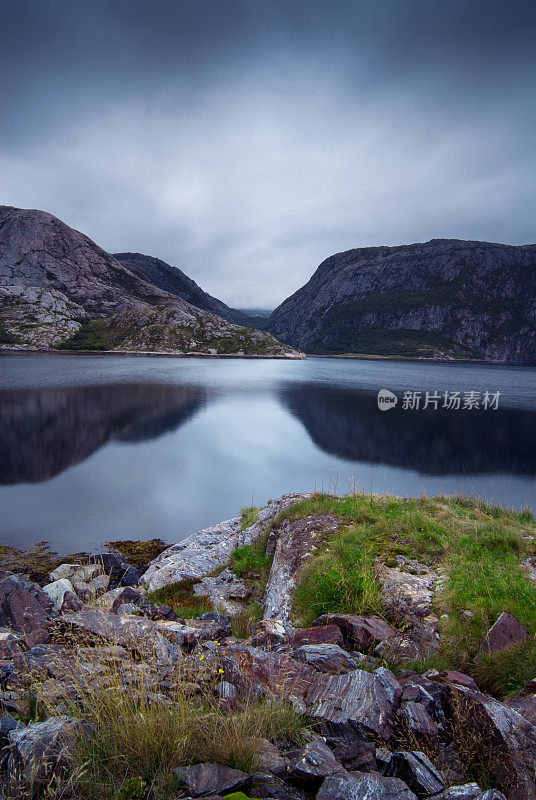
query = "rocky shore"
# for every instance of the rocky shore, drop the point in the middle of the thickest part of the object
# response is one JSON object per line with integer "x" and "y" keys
{"x": 110, "y": 688}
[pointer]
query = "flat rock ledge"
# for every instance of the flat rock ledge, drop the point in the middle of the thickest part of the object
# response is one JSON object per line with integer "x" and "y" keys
{"x": 210, "y": 548}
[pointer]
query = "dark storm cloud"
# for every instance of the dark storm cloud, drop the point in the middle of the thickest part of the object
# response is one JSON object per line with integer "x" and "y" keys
{"x": 246, "y": 140}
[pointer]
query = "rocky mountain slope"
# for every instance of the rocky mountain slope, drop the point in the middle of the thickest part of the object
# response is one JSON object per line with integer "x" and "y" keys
{"x": 173, "y": 280}
{"x": 445, "y": 298}
{"x": 59, "y": 289}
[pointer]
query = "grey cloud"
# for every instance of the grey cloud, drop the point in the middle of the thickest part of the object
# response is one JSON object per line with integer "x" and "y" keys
{"x": 246, "y": 140}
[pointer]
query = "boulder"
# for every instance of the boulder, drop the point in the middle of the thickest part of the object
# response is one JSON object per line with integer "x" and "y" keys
{"x": 360, "y": 633}
{"x": 256, "y": 672}
{"x": 314, "y": 762}
{"x": 24, "y": 607}
{"x": 135, "y": 634}
{"x": 10, "y": 644}
{"x": 415, "y": 719}
{"x": 205, "y": 779}
{"x": 355, "y": 755}
{"x": 130, "y": 577}
{"x": 364, "y": 787}
{"x": 292, "y": 544}
{"x": 40, "y": 750}
{"x": 328, "y": 658}
{"x": 324, "y": 634}
{"x": 64, "y": 571}
{"x": 359, "y": 704}
{"x": 56, "y": 591}
{"x": 108, "y": 564}
{"x": 417, "y": 771}
{"x": 505, "y": 632}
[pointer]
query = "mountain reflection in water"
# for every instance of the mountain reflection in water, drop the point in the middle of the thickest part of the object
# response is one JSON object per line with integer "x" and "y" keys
{"x": 348, "y": 424}
{"x": 45, "y": 431}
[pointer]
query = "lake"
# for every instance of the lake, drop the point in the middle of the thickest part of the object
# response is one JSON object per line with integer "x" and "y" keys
{"x": 96, "y": 448}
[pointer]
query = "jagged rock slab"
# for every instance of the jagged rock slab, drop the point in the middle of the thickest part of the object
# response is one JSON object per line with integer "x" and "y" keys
{"x": 24, "y": 607}
{"x": 328, "y": 658}
{"x": 292, "y": 544}
{"x": 314, "y": 761}
{"x": 210, "y": 548}
{"x": 505, "y": 632}
{"x": 39, "y": 750}
{"x": 417, "y": 772}
{"x": 358, "y": 703}
{"x": 256, "y": 672}
{"x": 205, "y": 779}
{"x": 360, "y": 633}
{"x": 366, "y": 787}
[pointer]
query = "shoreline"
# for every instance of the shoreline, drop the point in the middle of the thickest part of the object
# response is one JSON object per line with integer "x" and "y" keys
{"x": 302, "y": 357}
{"x": 146, "y": 353}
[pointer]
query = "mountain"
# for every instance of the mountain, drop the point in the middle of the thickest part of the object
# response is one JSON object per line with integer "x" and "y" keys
{"x": 446, "y": 298}
{"x": 173, "y": 280}
{"x": 58, "y": 289}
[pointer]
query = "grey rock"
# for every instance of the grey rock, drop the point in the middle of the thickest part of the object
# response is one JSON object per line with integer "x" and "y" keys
{"x": 415, "y": 718}
{"x": 56, "y": 591}
{"x": 328, "y": 658}
{"x": 204, "y": 779}
{"x": 315, "y": 761}
{"x": 204, "y": 551}
{"x": 417, "y": 771}
{"x": 467, "y": 791}
{"x": 493, "y": 794}
{"x": 39, "y": 750}
{"x": 292, "y": 544}
{"x": 365, "y": 787}
{"x": 359, "y": 703}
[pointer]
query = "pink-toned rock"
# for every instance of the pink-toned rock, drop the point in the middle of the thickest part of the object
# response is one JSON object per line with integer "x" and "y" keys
{"x": 359, "y": 633}
{"x": 321, "y": 634}
{"x": 452, "y": 676}
{"x": 506, "y": 632}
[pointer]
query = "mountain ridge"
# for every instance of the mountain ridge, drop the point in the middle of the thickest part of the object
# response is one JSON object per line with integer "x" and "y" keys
{"x": 446, "y": 298}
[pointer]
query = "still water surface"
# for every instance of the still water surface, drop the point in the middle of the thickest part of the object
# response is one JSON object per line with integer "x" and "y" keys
{"x": 94, "y": 448}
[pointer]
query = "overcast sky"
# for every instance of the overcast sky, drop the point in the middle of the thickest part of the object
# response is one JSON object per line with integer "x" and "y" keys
{"x": 247, "y": 140}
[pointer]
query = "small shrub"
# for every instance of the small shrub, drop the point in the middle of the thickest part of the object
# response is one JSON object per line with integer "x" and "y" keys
{"x": 139, "y": 554}
{"x": 505, "y": 673}
{"x": 249, "y": 516}
{"x": 252, "y": 559}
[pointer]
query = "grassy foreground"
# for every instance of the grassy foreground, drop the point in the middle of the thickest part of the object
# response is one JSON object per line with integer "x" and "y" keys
{"x": 478, "y": 550}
